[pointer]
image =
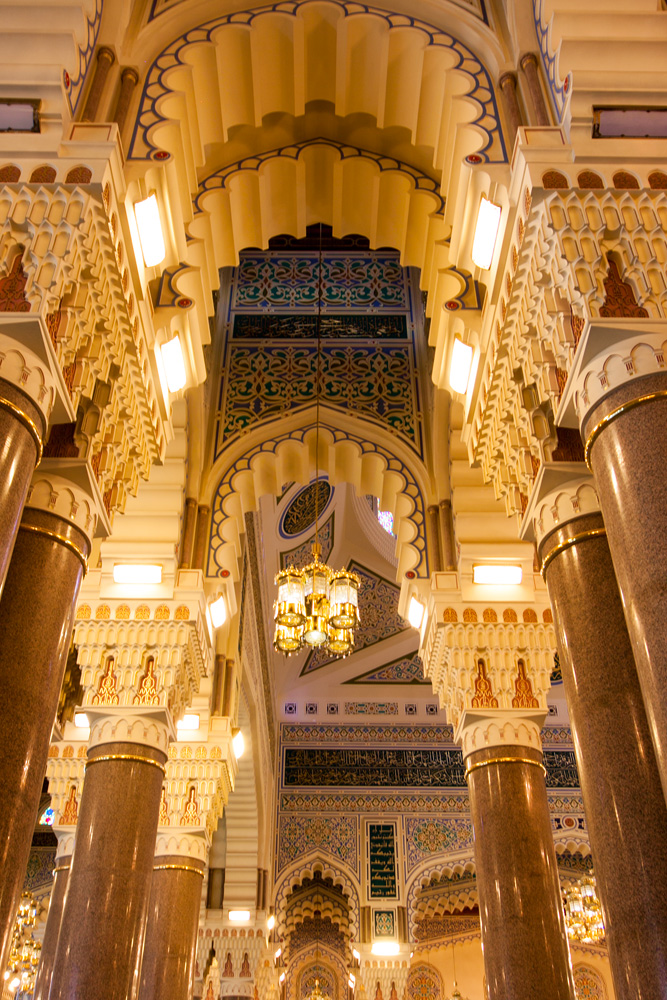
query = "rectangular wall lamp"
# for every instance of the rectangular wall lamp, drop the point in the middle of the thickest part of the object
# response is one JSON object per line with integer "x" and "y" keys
{"x": 486, "y": 233}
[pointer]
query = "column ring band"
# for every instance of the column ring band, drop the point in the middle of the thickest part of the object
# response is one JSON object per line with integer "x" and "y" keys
{"x": 61, "y": 539}
{"x": 650, "y": 397}
{"x": 505, "y": 760}
{"x": 583, "y": 536}
{"x": 125, "y": 756}
{"x": 179, "y": 868}
{"x": 28, "y": 423}
{"x": 61, "y": 868}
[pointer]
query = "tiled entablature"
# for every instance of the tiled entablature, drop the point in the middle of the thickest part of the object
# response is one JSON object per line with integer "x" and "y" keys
{"x": 553, "y": 284}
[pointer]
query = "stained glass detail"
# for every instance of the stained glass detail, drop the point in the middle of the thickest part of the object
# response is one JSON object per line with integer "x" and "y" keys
{"x": 47, "y": 817}
{"x": 386, "y": 519}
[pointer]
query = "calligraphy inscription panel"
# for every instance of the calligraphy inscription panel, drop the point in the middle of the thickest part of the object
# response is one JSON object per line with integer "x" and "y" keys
{"x": 382, "y": 861}
{"x": 380, "y": 767}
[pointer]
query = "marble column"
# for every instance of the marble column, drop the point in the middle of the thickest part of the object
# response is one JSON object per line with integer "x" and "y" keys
{"x": 530, "y": 67}
{"x": 50, "y": 940}
{"x": 199, "y": 551}
{"x": 433, "y": 538}
{"x": 623, "y": 419}
{"x": 615, "y": 755}
{"x": 128, "y": 81}
{"x": 26, "y": 398}
{"x": 104, "y": 917}
{"x": 104, "y": 62}
{"x": 36, "y": 618}
{"x": 447, "y": 535}
{"x": 523, "y": 932}
{"x": 167, "y": 970}
{"x": 188, "y": 534}
{"x": 507, "y": 84}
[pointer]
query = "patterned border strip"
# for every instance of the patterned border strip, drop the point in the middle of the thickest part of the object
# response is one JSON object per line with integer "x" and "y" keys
{"x": 74, "y": 84}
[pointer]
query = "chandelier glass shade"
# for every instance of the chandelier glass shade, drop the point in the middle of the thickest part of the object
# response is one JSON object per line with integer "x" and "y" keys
{"x": 25, "y": 952}
{"x": 583, "y": 911}
{"x": 316, "y": 993}
{"x": 317, "y": 607}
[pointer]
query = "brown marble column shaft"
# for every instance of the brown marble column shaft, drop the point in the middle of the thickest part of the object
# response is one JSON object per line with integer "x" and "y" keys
{"x": 167, "y": 970}
{"x": 128, "y": 81}
{"x": 433, "y": 538}
{"x": 447, "y": 535}
{"x": 626, "y": 812}
{"x": 627, "y": 457}
{"x": 104, "y": 917}
{"x": 36, "y": 618}
{"x": 228, "y": 693}
{"x": 50, "y": 940}
{"x": 523, "y": 932}
{"x": 22, "y": 432}
{"x": 103, "y": 63}
{"x": 507, "y": 84}
{"x": 530, "y": 67}
{"x": 199, "y": 551}
{"x": 189, "y": 522}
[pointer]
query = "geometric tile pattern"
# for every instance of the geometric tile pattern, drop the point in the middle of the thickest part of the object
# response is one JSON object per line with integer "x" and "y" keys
{"x": 424, "y": 983}
{"x": 428, "y": 837}
{"x": 588, "y": 984}
{"x": 406, "y": 670}
{"x": 333, "y": 835}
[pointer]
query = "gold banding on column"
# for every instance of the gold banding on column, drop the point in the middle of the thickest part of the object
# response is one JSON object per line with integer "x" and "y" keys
{"x": 180, "y": 868}
{"x": 61, "y": 539}
{"x": 504, "y": 760}
{"x": 125, "y": 756}
{"x": 27, "y": 422}
{"x": 582, "y": 537}
{"x": 650, "y": 397}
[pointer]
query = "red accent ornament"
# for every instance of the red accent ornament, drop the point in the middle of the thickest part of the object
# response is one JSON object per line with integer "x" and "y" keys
{"x": 224, "y": 573}
{"x": 161, "y": 154}
{"x": 66, "y": 79}
{"x": 184, "y": 303}
{"x": 566, "y": 85}
{"x": 410, "y": 575}
{"x": 452, "y": 305}
{"x": 473, "y": 158}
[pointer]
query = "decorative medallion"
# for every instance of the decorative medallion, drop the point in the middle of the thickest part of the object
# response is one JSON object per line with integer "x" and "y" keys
{"x": 300, "y": 513}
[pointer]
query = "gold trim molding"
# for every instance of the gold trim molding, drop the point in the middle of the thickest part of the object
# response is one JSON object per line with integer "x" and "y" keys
{"x": 125, "y": 756}
{"x": 180, "y": 868}
{"x": 650, "y": 397}
{"x": 583, "y": 536}
{"x": 67, "y": 542}
{"x": 28, "y": 423}
{"x": 505, "y": 760}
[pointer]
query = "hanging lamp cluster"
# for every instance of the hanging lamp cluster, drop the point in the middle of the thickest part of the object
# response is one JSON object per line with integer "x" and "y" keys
{"x": 316, "y": 606}
{"x": 583, "y": 911}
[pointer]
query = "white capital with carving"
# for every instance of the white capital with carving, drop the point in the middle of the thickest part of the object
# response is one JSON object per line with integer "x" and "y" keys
{"x": 145, "y": 727}
{"x": 24, "y": 369}
{"x": 481, "y": 729}
{"x": 620, "y": 362}
{"x": 571, "y": 500}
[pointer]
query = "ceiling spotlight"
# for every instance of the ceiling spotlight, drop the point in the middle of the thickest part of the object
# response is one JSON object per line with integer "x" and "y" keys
{"x": 460, "y": 366}
{"x": 416, "y": 612}
{"x": 497, "y": 574}
{"x": 147, "y": 214}
{"x": 137, "y": 573}
{"x": 486, "y": 233}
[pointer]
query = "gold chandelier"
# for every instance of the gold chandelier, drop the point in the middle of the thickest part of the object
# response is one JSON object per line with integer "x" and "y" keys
{"x": 583, "y": 911}
{"x": 316, "y": 606}
{"x": 25, "y": 952}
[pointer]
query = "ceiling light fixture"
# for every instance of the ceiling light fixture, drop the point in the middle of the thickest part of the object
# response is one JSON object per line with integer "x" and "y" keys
{"x": 81, "y": 720}
{"x": 316, "y": 606}
{"x": 271, "y": 923}
{"x": 460, "y": 366}
{"x": 239, "y": 916}
{"x": 137, "y": 573}
{"x": 174, "y": 365}
{"x": 385, "y": 948}
{"x": 218, "y": 609}
{"x": 486, "y": 233}
{"x": 188, "y": 724}
{"x": 147, "y": 214}
{"x": 497, "y": 574}
{"x": 416, "y": 612}
{"x": 238, "y": 743}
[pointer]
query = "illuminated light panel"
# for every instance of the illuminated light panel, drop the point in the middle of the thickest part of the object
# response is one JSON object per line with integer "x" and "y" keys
{"x": 497, "y": 574}
{"x": 460, "y": 366}
{"x": 282, "y": 978}
{"x": 81, "y": 720}
{"x": 218, "y": 609}
{"x": 416, "y": 612}
{"x": 271, "y": 923}
{"x": 278, "y": 954}
{"x": 238, "y": 744}
{"x": 174, "y": 364}
{"x": 147, "y": 214}
{"x": 137, "y": 573}
{"x": 239, "y": 916}
{"x": 486, "y": 233}
{"x": 385, "y": 948}
{"x": 188, "y": 724}
{"x": 356, "y": 954}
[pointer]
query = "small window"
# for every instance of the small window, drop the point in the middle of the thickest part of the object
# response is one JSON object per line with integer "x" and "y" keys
{"x": 47, "y": 817}
{"x": 19, "y": 115}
